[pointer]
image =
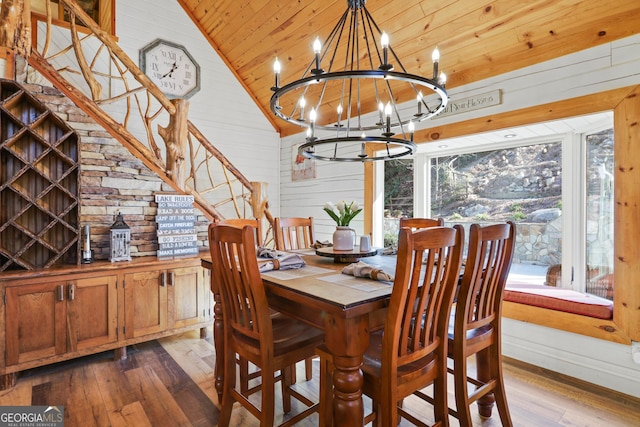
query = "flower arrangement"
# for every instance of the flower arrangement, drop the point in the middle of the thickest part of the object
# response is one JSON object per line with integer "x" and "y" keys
{"x": 346, "y": 212}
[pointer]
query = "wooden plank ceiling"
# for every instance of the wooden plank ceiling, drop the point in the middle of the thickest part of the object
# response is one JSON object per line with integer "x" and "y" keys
{"x": 476, "y": 39}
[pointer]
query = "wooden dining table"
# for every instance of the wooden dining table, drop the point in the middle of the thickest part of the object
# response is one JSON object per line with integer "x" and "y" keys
{"x": 345, "y": 307}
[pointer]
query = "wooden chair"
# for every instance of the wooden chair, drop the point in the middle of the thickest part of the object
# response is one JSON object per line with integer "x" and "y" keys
{"x": 241, "y": 222}
{"x": 476, "y": 325}
{"x": 272, "y": 343}
{"x": 418, "y": 223}
{"x": 410, "y": 353}
{"x": 245, "y": 376}
{"x": 293, "y": 233}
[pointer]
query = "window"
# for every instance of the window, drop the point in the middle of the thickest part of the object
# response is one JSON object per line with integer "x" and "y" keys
{"x": 557, "y": 187}
{"x": 599, "y": 213}
{"x": 101, "y": 11}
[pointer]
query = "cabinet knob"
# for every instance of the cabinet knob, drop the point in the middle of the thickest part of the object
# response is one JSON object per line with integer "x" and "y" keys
{"x": 163, "y": 279}
{"x": 172, "y": 278}
{"x": 71, "y": 291}
{"x": 60, "y": 292}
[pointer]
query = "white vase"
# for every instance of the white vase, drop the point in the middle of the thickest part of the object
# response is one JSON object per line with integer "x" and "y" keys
{"x": 344, "y": 238}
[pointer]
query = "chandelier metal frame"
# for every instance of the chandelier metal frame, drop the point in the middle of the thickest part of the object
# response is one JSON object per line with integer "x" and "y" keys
{"x": 393, "y": 126}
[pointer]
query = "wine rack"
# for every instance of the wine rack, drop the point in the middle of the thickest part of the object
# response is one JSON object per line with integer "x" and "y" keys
{"x": 39, "y": 184}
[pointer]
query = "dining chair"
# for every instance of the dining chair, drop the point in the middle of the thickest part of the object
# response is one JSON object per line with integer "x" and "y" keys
{"x": 476, "y": 325}
{"x": 410, "y": 352}
{"x": 293, "y": 234}
{"x": 245, "y": 375}
{"x": 418, "y": 223}
{"x": 272, "y": 343}
{"x": 241, "y": 222}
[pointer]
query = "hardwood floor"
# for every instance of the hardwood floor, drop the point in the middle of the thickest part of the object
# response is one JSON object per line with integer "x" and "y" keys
{"x": 169, "y": 382}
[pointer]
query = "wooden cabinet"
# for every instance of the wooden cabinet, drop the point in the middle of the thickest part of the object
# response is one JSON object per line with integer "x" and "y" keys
{"x": 58, "y": 314}
{"x": 188, "y": 297}
{"x": 157, "y": 300}
{"x": 47, "y": 318}
{"x": 145, "y": 303}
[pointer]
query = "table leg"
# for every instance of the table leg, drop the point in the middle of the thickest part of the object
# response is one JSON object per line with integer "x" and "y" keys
{"x": 218, "y": 342}
{"x": 347, "y": 340}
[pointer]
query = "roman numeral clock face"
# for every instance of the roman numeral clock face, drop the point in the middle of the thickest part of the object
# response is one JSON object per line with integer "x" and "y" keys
{"x": 171, "y": 68}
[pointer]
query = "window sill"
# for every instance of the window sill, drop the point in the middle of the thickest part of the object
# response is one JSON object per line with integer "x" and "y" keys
{"x": 570, "y": 322}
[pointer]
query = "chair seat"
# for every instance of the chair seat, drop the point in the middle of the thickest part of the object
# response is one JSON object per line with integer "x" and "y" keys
{"x": 289, "y": 335}
{"x": 372, "y": 367}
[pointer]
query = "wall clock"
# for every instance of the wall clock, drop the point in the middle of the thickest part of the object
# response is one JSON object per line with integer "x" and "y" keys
{"x": 171, "y": 67}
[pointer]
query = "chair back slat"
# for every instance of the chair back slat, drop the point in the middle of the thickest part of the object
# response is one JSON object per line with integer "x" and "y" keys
{"x": 241, "y": 222}
{"x": 418, "y": 223}
{"x": 486, "y": 270}
{"x": 293, "y": 233}
{"x": 235, "y": 269}
{"x": 426, "y": 276}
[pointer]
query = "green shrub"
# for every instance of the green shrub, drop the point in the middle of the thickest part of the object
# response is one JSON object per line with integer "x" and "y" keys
{"x": 519, "y": 216}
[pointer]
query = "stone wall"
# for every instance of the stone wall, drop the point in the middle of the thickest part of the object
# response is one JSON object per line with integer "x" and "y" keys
{"x": 536, "y": 243}
{"x": 112, "y": 181}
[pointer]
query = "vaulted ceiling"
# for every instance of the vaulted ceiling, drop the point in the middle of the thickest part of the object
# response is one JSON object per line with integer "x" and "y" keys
{"x": 476, "y": 39}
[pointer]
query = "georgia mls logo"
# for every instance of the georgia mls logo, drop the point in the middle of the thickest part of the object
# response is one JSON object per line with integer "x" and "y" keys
{"x": 32, "y": 416}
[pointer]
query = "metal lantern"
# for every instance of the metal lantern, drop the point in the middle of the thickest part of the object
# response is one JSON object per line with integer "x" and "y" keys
{"x": 120, "y": 240}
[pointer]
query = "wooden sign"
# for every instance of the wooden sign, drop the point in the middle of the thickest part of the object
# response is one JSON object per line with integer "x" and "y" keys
{"x": 471, "y": 103}
{"x": 175, "y": 225}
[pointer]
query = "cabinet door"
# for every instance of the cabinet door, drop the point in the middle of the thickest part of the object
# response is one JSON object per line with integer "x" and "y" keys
{"x": 186, "y": 296}
{"x": 36, "y": 318}
{"x": 145, "y": 303}
{"x": 92, "y": 312}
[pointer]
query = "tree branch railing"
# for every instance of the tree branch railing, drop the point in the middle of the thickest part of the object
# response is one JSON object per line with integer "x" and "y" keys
{"x": 85, "y": 63}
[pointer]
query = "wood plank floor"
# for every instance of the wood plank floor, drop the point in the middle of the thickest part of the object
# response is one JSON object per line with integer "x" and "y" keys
{"x": 169, "y": 382}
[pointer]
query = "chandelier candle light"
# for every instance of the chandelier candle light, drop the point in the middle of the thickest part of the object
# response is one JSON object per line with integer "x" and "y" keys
{"x": 344, "y": 97}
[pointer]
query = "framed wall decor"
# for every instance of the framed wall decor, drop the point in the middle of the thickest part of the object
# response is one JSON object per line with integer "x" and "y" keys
{"x": 301, "y": 167}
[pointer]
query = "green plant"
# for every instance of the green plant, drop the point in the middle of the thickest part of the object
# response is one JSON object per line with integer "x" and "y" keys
{"x": 516, "y": 207}
{"x": 455, "y": 216}
{"x": 346, "y": 212}
{"x": 519, "y": 216}
{"x": 482, "y": 217}
{"x": 390, "y": 240}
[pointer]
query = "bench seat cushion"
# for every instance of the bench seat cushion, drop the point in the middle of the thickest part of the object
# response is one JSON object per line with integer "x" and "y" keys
{"x": 560, "y": 299}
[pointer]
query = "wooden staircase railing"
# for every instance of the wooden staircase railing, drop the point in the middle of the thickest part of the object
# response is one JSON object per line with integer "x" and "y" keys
{"x": 88, "y": 66}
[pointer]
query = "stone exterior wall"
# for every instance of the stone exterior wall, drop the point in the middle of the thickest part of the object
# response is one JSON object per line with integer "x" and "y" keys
{"x": 536, "y": 243}
{"x": 112, "y": 181}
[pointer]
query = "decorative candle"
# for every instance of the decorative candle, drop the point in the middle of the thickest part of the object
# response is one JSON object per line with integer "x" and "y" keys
{"x": 419, "y": 99}
{"x": 435, "y": 57}
{"x": 384, "y": 41}
{"x": 276, "y": 70}
{"x": 412, "y": 129}
{"x": 387, "y": 113}
{"x": 443, "y": 79}
{"x": 312, "y": 121}
{"x": 302, "y": 104}
{"x": 317, "y": 47}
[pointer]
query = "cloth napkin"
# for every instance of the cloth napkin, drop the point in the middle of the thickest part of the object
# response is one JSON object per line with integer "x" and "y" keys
{"x": 262, "y": 252}
{"x": 362, "y": 269}
{"x": 319, "y": 244}
{"x": 286, "y": 262}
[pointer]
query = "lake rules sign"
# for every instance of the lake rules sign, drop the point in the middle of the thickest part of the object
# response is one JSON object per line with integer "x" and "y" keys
{"x": 175, "y": 226}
